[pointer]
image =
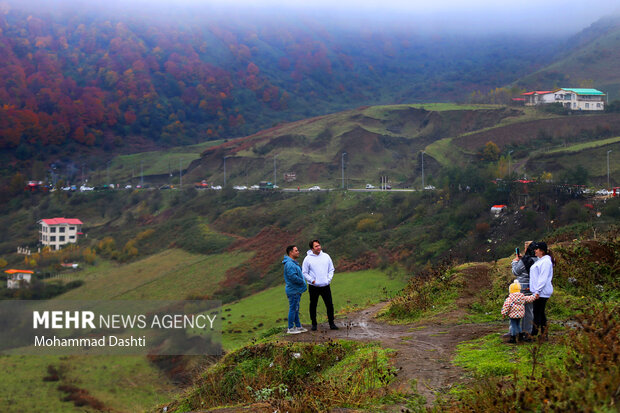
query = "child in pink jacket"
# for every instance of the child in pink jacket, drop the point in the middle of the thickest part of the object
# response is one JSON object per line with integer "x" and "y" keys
{"x": 514, "y": 308}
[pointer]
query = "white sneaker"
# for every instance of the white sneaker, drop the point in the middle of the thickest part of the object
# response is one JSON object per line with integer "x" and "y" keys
{"x": 301, "y": 329}
{"x": 293, "y": 331}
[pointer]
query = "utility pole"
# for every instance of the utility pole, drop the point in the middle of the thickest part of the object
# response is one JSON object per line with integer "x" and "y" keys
{"x": 108, "y": 183}
{"x": 509, "y": 159}
{"x": 226, "y": 157}
{"x": 180, "y": 174}
{"x": 141, "y": 174}
{"x": 608, "y": 185}
{"x": 275, "y": 172}
{"x": 423, "y": 170}
{"x": 342, "y": 165}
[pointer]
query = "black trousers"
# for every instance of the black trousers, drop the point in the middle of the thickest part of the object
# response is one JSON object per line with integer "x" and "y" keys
{"x": 540, "y": 319}
{"x": 326, "y": 293}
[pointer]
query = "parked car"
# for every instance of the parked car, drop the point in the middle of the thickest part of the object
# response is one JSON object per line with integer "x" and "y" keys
{"x": 369, "y": 186}
{"x": 265, "y": 186}
{"x": 314, "y": 188}
{"x": 85, "y": 188}
{"x": 254, "y": 188}
{"x": 127, "y": 186}
{"x": 216, "y": 187}
{"x": 240, "y": 187}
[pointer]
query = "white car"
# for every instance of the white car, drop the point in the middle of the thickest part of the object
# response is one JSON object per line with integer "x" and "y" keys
{"x": 369, "y": 186}
{"x": 314, "y": 188}
{"x": 254, "y": 188}
{"x": 240, "y": 187}
{"x": 85, "y": 188}
{"x": 216, "y": 187}
{"x": 127, "y": 186}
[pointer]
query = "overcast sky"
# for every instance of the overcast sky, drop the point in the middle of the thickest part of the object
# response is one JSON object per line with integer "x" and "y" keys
{"x": 562, "y": 16}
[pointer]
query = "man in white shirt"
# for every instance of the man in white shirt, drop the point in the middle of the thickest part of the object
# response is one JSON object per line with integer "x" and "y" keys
{"x": 318, "y": 269}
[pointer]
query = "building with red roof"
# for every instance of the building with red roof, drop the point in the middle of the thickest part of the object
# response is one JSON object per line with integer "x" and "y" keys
{"x": 18, "y": 278}
{"x": 56, "y": 232}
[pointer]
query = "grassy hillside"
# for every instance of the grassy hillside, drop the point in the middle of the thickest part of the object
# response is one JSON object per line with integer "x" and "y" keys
{"x": 384, "y": 140}
{"x": 124, "y": 384}
{"x": 591, "y": 59}
{"x": 169, "y": 275}
{"x": 591, "y": 156}
{"x": 378, "y": 141}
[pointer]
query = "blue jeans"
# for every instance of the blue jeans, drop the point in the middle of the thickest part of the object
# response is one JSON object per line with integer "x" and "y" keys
{"x": 293, "y": 310}
{"x": 515, "y": 326}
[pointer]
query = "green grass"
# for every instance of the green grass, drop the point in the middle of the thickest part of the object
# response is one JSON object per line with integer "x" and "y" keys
{"x": 586, "y": 145}
{"x": 124, "y": 384}
{"x": 170, "y": 275}
{"x": 490, "y": 356}
{"x": 349, "y": 290}
{"x": 381, "y": 111}
{"x": 23, "y": 388}
{"x": 156, "y": 162}
{"x": 443, "y": 151}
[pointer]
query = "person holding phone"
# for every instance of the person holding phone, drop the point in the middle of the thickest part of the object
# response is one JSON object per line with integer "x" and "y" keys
{"x": 541, "y": 275}
{"x": 521, "y": 266}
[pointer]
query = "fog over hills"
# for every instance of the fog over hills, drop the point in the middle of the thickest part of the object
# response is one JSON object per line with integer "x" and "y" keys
{"x": 78, "y": 78}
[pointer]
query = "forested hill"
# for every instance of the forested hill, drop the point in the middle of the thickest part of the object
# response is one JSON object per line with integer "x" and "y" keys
{"x": 82, "y": 81}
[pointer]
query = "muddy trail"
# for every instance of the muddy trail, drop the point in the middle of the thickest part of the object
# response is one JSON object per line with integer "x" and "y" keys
{"x": 424, "y": 349}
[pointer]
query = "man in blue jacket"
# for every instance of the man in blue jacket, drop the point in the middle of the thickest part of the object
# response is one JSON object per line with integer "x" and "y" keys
{"x": 295, "y": 286}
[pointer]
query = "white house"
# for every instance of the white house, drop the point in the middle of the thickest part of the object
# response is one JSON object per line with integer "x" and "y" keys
{"x": 57, "y": 232}
{"x": 18, "y": 278}
{"x": 498, "y": 209}
{"x": 570, "y": 98}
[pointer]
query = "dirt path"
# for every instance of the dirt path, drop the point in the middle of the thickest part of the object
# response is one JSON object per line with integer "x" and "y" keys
{"x": 425, "y": 348}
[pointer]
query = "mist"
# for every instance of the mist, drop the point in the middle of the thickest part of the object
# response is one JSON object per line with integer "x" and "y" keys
{"x": 526, "y": 17}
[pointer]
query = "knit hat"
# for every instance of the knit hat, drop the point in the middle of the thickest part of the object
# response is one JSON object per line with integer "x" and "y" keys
{"x": 515, "y": 287}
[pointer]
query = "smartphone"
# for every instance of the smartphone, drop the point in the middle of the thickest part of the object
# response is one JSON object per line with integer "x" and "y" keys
{"x": 517, "y": 251}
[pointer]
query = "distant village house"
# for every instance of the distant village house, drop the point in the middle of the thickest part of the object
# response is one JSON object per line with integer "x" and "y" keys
{"x": 56, "y": 232}
{"x": 570, "y": 98}
{"x": 498, "y": 209}
{"x": 18, "y": 278}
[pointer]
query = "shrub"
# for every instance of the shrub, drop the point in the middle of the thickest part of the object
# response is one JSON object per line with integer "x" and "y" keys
{"x": 295, "y": 377}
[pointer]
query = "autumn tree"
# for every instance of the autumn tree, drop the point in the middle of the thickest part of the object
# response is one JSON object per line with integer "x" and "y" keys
{"x": 490, "y": 152}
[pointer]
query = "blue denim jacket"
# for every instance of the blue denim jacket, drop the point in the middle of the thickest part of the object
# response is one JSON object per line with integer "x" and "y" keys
{"x": 294, "y": 279}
